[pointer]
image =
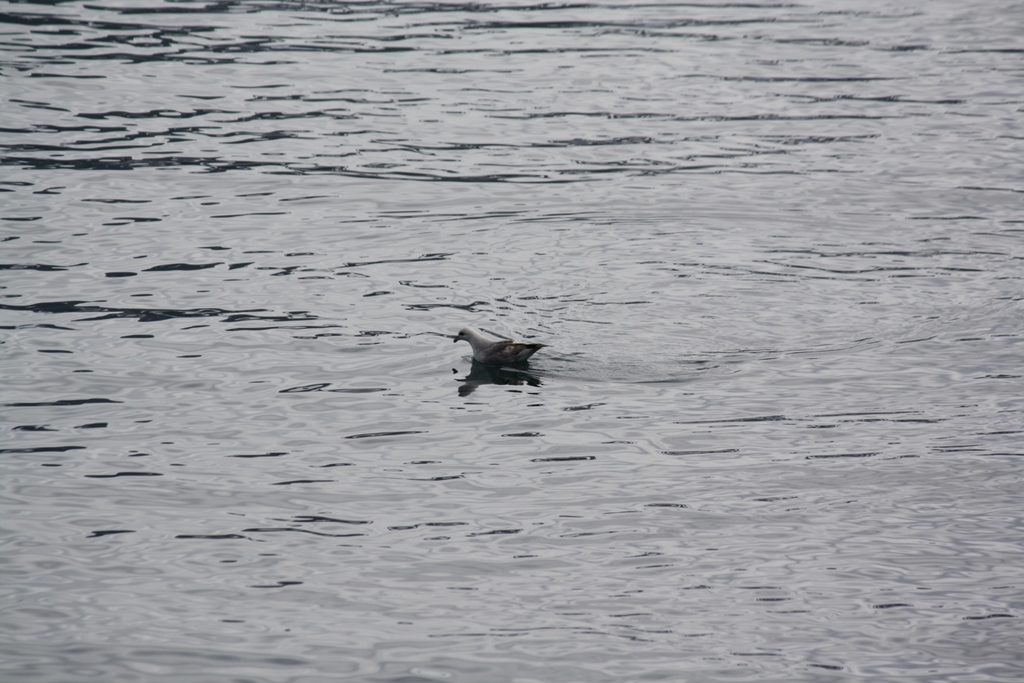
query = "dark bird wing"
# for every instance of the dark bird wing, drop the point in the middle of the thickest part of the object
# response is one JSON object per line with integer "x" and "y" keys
{"x": 510, "y": 352}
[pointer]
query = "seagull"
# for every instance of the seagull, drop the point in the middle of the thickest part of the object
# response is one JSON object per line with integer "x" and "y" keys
{"x": 496, "y": 352}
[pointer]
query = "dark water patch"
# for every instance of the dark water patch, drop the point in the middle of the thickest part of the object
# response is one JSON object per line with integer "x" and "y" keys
{"x": 35, "y": 266}
{"x": 249, "y": 213}
{"x": 36, "y": 325}
{"x": 302, "y": 481}
{"x": 125, "y": 163}
{"x": 110, "y": 532}
{"x": 154, "y": 114}
{"x": 441, "y": 256}
{"x": 182, "y": 266}
{"x": 61, "y": 402}
{"x": 588, "y": 534}
{"x": 123, "y": 474}
{"x": 868, "y": 416}
{"x": 719, "y": 451}
{"x": 759, "y": 418}
{"x": 42, "y": 449}
{"x": 565, "y": 458}
{"x": 303, "y": 519}
{"x": 221, "y": 165}
{"x": 615, "y": 303}
{"x": 589, "y": 406}
{"x": 261, "y": 530}
{"x": 43, "y": 74}
{"x": 119, "y": 201}
{"x": 273, "y": 454}
{"x": 148, "y": 315}
{"x": 279, "y": 584}
{"x": 408, "y": 527}
{"x": 213, "y": 537}
{"x": 948, "y": 218}
{"x": 141, "y": 314}
{"x": 410, "y": 283}
{"x": 373, "y": 435}
{"x": 990, "y": 189}
{"x": 960, "y": 448}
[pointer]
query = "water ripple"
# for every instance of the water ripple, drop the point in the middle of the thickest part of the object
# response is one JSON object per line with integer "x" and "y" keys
{"x": 774, "y": 253}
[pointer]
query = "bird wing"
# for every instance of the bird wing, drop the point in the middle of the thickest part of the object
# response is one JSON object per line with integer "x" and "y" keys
{"x": 513, "y": 352}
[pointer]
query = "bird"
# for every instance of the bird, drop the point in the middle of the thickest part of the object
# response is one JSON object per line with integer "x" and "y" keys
{"x": 494, "y": 351}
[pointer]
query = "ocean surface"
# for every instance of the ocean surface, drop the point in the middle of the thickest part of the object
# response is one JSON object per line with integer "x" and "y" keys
{"x": 776, "y": 251}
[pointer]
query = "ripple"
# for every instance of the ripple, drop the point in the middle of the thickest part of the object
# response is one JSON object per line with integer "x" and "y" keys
{"x": 771, "y": 250}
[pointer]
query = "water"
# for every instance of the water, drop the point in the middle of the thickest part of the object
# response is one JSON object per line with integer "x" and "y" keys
{"x": 776, "y": 251}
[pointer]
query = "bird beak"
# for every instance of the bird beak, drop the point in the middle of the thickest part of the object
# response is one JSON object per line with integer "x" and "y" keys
{"x": 456, "y": 339}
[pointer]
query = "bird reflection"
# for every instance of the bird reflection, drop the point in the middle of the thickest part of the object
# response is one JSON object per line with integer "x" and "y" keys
{"x": 491, "y": 374}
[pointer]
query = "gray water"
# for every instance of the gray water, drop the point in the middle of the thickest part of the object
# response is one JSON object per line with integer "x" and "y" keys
{"x": 775, "y": 250}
